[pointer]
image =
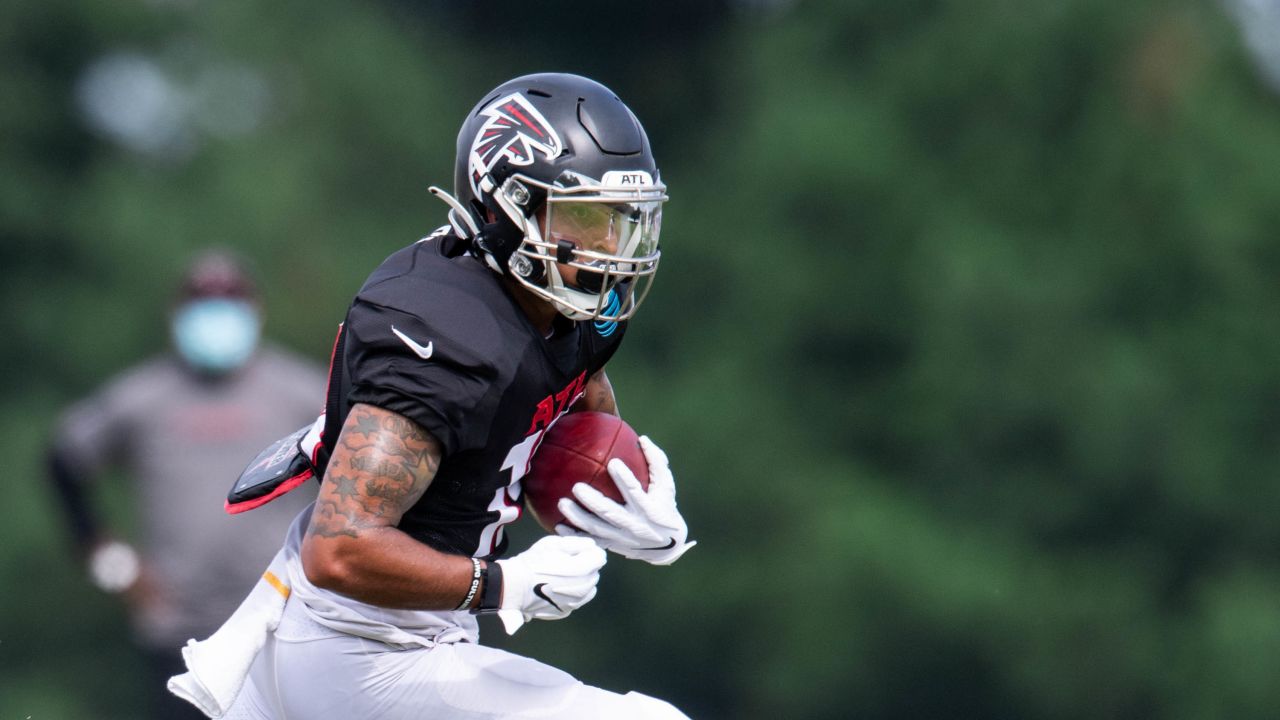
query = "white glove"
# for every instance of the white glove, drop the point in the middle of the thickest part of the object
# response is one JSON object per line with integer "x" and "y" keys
{"x": 114, "y": 566}
{"x": 647, "y": 527}
{"x": 551, "y": 579}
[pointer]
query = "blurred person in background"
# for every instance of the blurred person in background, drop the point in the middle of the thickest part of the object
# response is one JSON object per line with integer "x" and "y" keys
{"x": 181, "y": 427}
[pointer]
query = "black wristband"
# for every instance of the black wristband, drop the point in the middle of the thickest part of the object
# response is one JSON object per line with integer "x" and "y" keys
{"x": 491, "y": 595}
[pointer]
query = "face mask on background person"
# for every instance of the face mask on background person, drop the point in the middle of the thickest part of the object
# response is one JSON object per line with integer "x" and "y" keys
{"x": 216, "y": 335}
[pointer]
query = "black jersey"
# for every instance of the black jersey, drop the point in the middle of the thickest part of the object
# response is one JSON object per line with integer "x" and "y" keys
{"x": 435, "y": 336}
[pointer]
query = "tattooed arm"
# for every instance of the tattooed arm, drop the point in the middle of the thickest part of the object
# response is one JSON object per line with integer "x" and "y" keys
{"x": 381, "y": 465}
{"x": 599, "y": 395}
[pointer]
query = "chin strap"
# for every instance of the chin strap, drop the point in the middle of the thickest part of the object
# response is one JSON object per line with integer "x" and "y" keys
{"x": 494, "y": 242}
{"x": 457, "y": 214}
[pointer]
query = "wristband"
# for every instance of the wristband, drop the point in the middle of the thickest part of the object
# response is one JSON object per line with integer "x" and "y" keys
{"x": 475, "y": 584}
{"x": 491, "y": 597}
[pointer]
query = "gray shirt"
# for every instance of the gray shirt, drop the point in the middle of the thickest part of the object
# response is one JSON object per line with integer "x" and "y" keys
{"x": 182, "y": 442}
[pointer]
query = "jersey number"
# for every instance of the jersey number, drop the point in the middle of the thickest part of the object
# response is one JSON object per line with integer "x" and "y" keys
{"x": 506, "y": 500}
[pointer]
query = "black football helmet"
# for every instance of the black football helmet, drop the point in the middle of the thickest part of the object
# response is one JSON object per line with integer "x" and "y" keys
{"x": 553, "y": 171}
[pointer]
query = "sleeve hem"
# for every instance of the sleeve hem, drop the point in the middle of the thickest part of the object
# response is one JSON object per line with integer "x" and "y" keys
{"x": 424, "y": 415}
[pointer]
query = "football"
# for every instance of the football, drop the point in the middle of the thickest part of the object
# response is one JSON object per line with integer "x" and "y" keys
{"x": 577, "y": 448}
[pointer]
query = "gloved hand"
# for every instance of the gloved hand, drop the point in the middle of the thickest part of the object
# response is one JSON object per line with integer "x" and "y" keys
{"x": 551, "y": 579}
{"x": 647, "y": 527}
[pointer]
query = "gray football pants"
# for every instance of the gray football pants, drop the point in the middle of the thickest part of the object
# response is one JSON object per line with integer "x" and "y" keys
{"x": 345, "y": 677}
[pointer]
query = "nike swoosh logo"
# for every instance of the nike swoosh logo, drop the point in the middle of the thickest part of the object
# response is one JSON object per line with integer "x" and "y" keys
{"x": 537, "y": 590}
{"x": 419, "y": 350}
{"x": 668, "y": 546}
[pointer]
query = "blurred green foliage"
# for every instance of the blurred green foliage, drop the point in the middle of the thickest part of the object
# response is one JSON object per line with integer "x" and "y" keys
{"x": 965, "y": 346}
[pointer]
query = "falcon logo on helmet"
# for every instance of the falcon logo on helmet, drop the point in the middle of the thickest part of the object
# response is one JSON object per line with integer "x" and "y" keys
{"x": 515, "y": 129}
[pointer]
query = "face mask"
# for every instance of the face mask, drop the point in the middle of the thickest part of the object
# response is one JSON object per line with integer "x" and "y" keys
{"x": 216, "y": 335}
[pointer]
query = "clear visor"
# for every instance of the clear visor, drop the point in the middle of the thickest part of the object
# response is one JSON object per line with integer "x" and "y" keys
{"x": 600, "y": 245}
{"x": 603, "y": 243}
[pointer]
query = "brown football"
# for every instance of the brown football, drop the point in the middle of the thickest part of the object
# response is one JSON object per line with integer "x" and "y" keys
{"x": 577, "y": 448}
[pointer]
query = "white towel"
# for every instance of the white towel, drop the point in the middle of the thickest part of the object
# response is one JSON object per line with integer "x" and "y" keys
{"x": 217, "y": 666}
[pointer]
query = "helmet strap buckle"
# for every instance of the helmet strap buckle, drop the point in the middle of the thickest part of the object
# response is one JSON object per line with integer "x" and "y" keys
{"x": 523, "y": 266}
{"x": 516, "y": 192}
{"x": 564, "y": 251}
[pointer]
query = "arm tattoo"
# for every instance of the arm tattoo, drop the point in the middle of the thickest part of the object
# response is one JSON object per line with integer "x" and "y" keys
{"x": 381, "y": 465}
{"x": 599, "y": 395}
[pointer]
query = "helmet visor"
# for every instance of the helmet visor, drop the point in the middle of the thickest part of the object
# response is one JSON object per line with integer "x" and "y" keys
{"x": 597, "y": 240}
{"x": 604, "y": 242}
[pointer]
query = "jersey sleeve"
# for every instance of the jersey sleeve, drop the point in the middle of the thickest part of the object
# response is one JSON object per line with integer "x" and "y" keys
{"x": 409, "y": 365}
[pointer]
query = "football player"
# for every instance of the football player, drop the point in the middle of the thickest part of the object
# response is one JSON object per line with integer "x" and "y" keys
{"x": 454, "y": 357}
